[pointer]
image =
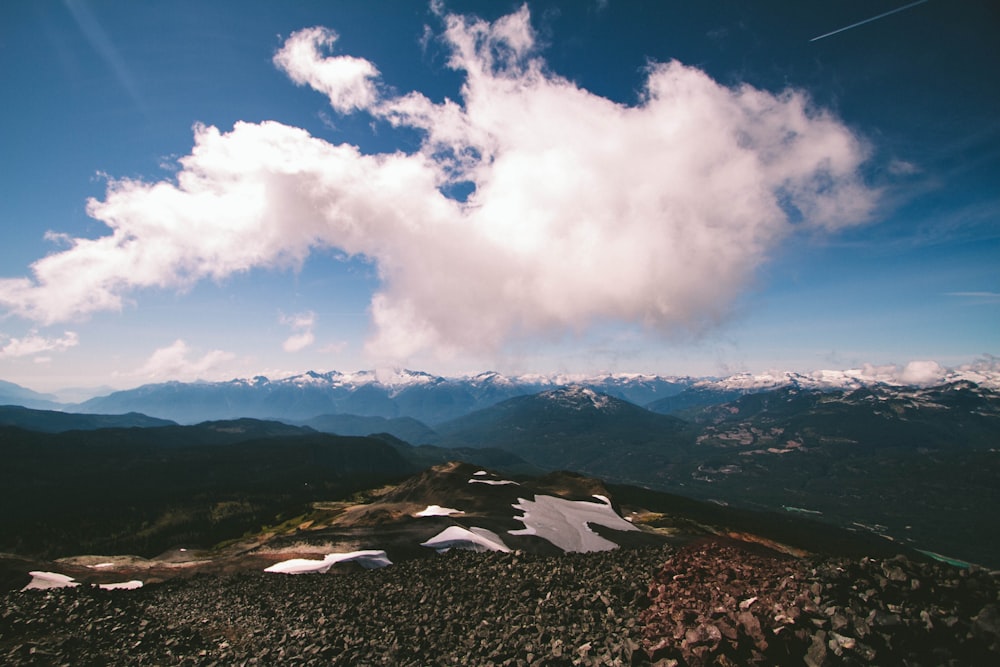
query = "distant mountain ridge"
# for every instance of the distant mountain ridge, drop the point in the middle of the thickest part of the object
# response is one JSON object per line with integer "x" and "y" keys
{"x": 575, "y": 428}
{"x": 427, "y": 398}
{"x": 12, "y": 394}
{"x": 713, "y": 391}
{"x": 51, "y": 421}
{"x": 986, "y": 375}
{"x": 433, "y": 399}
{"x": 404, "y": 428}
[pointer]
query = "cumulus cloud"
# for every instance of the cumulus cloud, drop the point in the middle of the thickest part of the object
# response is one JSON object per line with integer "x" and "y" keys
{"x": 582, "y": 209}
{"x": 34, "y": 343}
{"x": 347, "y": 81}
{"x": 922, "y": 372}
{"x": 177, "y": 363}
{"x": 927, "y": 372}
{"x": 302, "y": 328}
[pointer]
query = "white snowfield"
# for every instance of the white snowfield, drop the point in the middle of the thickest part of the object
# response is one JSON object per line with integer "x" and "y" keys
{"x": 918, "y": 373}
{"x": 913, "y": 374}
{"x": 122, "y": 585}
{"x": 493, "y": 482}
{"x": 437, "y": 510}
{"x": 41, "y": 581}
{"x": 471, "y": 539}
{"x": 369, "y": 559}
{"x": 564, "y": 523}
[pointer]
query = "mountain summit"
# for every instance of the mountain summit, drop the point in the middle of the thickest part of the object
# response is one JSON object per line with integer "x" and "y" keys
{"x": 573, "y": 428}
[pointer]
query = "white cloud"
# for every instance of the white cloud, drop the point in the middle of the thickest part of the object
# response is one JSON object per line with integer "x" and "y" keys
{"x": 33, "y": 343}
{"x": 346, "y": 80}
{"x": 903, "y": 168}
{"x": 922, "y": 373}
{"x": 584, "y": 210}
{"x": 926, "y": 372}
{"x": 977, "y": 297}
{"x": 302, "y": 328}
{"x": 298, "y": 342}
{"x": 175, "y": 362}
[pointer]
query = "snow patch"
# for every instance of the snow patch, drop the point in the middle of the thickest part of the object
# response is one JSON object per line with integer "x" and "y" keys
{"x": 471, "y": 539}
{"x": 437, "y": 510}
{"x": 493, "y": 482}
{"x": 564, "y": 523}
{"x": 122, "y": 586}
{"x": 41, "y": 581}
{"x": 369, "y": 559}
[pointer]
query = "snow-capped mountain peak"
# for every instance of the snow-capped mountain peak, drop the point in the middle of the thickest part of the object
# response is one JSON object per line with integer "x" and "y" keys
{"x": 914, "y": 374}
{"x": 579, "y": 397}
{"x": 434, "y": 399}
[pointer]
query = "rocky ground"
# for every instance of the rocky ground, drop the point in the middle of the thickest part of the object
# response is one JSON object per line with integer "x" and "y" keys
{"x": 461, "y": 608}
{"x": 717, "y": 604}
{"x": 714, "y": 602}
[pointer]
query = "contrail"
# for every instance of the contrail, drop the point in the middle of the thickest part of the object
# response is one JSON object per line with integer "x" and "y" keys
{"x": 874, "y": 18}
{"x": 101, "y": 43}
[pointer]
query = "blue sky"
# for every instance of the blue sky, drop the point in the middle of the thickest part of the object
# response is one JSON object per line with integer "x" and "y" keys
{"x": 468, "y": 186}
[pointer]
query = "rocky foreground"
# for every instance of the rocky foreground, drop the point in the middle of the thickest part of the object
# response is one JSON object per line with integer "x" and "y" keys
{"x": 709, "y": 603}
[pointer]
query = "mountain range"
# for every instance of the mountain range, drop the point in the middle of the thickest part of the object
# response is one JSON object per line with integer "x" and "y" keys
{"x": 919, "y": 464}
{"x": 434, "y": 399}
{"x": 13, "y": 394}
{"x": 428, "y": 398}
